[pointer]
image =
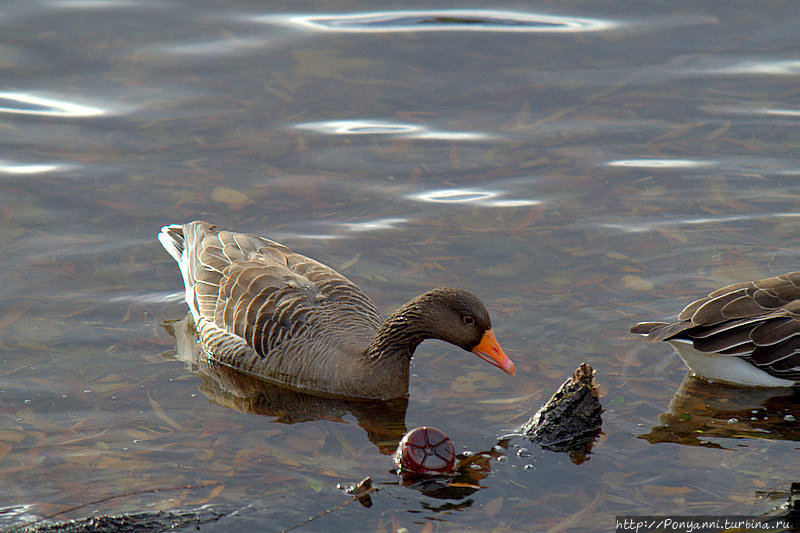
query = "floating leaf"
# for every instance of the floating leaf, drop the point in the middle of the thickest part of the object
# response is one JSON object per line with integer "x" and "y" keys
{"x": 235, "y": 199}
{"x": 160, "y": 413}
{"x": 493, "y": 507}
{"x": 637, "y": 283}
{"x": 315, "y": 484}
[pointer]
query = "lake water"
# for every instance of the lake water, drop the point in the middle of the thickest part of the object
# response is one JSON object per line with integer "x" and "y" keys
{"x": 580, "y": 166}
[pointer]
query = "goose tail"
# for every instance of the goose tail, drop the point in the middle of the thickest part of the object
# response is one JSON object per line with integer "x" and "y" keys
{"x": 173, "y": 240}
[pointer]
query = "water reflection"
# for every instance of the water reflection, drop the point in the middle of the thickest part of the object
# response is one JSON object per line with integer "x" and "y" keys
{"x": 768, "y": 66}
{"x": 99, "y": 4}
{"x": 661, "y": 163}
{"x": 31, "y": 104}
{"x": 214, "y": 48}
{"x": 377, "y": 127}
{"x": 700, "y": 410}
{"x": 638, "y": 226}
{"x": 11, "y": 167}
{"x": 373, "y": 225}
{"x": 471, "y": 196}
{"x": 445, "y": 20}
{"x": 753, "y": 111}
{"x": 383, "y": 421}
{"x": 470, "y": 469}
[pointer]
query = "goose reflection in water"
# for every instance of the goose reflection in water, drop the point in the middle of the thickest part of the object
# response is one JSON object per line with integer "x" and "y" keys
{"x": 383, "y": 421}
{"x": 700, "y": 411}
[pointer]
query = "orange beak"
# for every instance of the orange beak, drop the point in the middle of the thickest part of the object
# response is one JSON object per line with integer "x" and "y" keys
{"x": 489, "y": 350}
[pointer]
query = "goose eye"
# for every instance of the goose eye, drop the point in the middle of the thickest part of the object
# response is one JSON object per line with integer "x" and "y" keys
{"x": 468, "y": 320}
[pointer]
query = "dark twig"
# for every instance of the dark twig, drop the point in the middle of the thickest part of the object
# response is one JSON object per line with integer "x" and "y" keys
{"x": 360, "y": 492}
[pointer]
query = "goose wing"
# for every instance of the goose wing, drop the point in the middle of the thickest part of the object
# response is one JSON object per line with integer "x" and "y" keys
{"x": 757, "y": 320}
{"x": 263, "y": 293}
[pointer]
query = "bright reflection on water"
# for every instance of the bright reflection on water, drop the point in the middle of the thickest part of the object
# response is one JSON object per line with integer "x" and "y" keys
{"x": 640, "y": 226}
{"x": 100, "y": 4}
{"x": 373, "y": 225}
{"x": 660, "y": 163}
{"x": 206, "y": 49}
{"x": 10, "y": 167}
{"x": 765, "y": 66}
{"x": 31, "y": 104}
{"x": 377, "y": 127}
{"x": 449, "y": 20}
{"x": 470, "y": 196}
{"x": 753, "y": 110}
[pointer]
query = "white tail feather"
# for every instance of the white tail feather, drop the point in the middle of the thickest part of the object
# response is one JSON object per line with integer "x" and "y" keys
{"x": 172, "y": 239}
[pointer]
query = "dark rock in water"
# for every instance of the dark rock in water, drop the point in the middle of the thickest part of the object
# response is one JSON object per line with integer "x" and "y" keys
{"x": 132, "y": 523}
{"x": 571, "y": 419}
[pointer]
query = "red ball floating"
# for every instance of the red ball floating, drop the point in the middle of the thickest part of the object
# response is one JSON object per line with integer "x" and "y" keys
{"x": 427, "y": 451}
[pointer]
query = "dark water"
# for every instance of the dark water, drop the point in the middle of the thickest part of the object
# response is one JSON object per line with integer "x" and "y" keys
{"x": 580, "y": 166}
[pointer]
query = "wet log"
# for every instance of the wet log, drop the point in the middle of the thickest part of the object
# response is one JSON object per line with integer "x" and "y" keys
{"x": 571, "y": 419}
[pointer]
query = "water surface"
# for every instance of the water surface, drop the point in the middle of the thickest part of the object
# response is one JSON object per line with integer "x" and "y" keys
{"x": 580, "y": 166}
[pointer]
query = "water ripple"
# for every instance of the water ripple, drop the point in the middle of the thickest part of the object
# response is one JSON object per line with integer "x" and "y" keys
{"x": 211, "y": 48}
{"x": 377, "y": 127}
{"x": 12, "y": 167}
{"x": 770, "y": 66}
{"x": 151, "y": 297}
{"x": 720, "y": 65}
{"x": 31, "y": 104}
{"x": 753, "y": 111}
{"x": 444, "y": 20}
{"x": 98, "y": 4}
{"x": 630, "y": 226}
{"x": 661, "y": 163}
{"x": 470, "y": 196}
{"x": 373, "y": 225}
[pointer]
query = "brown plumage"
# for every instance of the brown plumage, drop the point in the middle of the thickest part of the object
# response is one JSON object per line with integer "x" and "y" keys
{"x": 276, "y": 314}
{"x": 757, "y": 322}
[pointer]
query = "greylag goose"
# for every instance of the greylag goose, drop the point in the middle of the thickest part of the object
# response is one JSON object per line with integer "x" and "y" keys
{"x": 273, "y": 313}
{"x": 744, "y": 334}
